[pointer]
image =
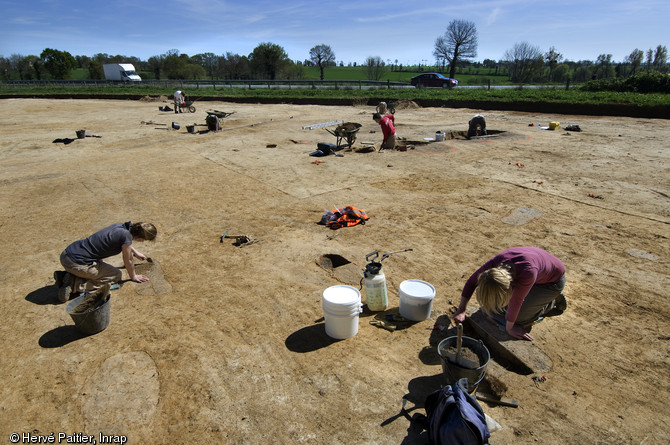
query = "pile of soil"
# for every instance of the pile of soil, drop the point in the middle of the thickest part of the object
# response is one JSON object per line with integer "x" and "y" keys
{"x": 467, "y": 354}
{"x": 148, "y": 98}
{"x": 406, "y": 104}
{"x": 347, "y": 127}
{"x": 89, "y": 304}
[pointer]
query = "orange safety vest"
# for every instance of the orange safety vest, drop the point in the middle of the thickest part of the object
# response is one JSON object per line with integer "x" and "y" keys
{"x": 350, "y": 216}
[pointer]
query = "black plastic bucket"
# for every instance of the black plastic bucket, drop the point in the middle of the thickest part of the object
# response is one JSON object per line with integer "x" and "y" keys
{"x": 453, "y": 372}
{"x": 93, "y": 320}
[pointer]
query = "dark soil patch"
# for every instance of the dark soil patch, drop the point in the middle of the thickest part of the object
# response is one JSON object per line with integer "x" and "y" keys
{"x": 89, "y": 304}
{"x": 467, "y": 355}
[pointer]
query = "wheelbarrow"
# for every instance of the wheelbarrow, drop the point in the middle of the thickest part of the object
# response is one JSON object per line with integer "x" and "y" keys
{"x": 219, "y": 114}
{"x": 187, "y": 105}
{"x": 347, "y": 131}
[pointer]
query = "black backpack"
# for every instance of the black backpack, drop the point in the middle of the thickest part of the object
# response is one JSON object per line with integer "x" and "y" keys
{"x": 455, "y": 417}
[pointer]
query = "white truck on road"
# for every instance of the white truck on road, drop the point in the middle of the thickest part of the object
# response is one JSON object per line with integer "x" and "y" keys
{"x": 121, "y": 71}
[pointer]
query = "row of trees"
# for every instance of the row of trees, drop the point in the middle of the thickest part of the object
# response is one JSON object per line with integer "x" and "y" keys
{"x": 266, "y": 61}
{"x": 453, "y": 51}
{"x": 527, "y": 63}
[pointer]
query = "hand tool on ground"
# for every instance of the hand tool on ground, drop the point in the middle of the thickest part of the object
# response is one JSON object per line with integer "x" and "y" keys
{"x": 240, "y": 240}
{"x": 383, "y": 324}
{"x": 496, "y": 401}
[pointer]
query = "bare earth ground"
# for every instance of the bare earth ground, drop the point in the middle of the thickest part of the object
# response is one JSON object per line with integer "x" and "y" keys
{"x": 227, "y": 344}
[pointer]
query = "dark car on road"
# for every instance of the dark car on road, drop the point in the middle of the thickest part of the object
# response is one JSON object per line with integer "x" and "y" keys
{"x": 433, "y": 80}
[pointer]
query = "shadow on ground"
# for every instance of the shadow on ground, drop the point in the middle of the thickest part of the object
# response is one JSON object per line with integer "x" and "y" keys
{"x": 61, "y": 336}
{"x": 44, "y": 295}
{"x": 309, "y": 339}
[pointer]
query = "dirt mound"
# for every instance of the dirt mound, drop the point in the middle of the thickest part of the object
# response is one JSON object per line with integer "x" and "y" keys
{"x": 148, "y": 98}
{"x": 406, "y": 104}
{"x": 347, "y": 126}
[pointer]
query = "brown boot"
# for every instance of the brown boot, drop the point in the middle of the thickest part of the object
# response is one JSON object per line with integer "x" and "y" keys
{"x": 64, "y": 284}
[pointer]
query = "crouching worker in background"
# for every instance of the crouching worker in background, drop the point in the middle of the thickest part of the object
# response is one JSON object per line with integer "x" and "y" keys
{"x": 213, "y": 123}
{"x": 85, "y": 270}
{"x": 517, "y": 288}
{"x": 477, "y": 123}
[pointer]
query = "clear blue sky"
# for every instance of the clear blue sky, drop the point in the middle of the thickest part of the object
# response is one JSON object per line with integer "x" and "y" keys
{"x": 400, "y": 30}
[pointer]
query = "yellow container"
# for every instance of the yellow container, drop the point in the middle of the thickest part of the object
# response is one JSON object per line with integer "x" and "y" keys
{"x": 554, "y": 125}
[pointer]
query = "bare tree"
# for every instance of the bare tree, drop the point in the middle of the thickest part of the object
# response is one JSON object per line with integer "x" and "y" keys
{"x": 322, "y": 56}
{"x": 375, "y": 68}
{"x": 458, "y": 42}
{"x": 525, "y": 62}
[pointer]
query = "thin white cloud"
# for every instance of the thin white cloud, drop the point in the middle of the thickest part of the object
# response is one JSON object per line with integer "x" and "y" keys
{"x": 492, "y": 17}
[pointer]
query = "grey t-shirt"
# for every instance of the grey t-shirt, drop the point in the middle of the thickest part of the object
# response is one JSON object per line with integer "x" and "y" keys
{"x": 102, "y": 244}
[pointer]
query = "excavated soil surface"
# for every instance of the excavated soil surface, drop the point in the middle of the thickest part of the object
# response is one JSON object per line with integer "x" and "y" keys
{"x": 227, "y": 343}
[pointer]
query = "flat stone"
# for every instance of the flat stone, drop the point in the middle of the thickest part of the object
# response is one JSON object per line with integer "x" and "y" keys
{"x": 523, "y": 356}
{"x": 637, "y": 253}
{"x": 521, "y": 216}
{"x": 157, "y": 283}
{"x": 122, "y": 395}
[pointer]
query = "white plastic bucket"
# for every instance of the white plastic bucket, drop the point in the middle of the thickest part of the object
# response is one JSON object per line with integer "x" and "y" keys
{"x": 341, "y": 307}
{"x": 416, "y": 299}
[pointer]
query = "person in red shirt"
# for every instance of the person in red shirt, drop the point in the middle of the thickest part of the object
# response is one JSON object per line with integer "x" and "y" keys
{"x": 388, "y": 130}
{"x": 516, "y": 288}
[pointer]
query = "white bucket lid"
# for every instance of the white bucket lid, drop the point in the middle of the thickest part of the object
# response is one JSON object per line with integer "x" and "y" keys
{"x": 417, "y": 289}
{"x": 341, "y": 295}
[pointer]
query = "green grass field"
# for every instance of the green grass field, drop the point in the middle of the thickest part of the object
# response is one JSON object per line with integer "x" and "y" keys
{"x": 574, "y": 100}
{"x": 480, "y": 76}
{"x": 354, "y": 73}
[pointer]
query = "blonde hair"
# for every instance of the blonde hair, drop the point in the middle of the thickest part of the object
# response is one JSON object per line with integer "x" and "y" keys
{"x": 494, "y": 289}
{"x": 146, "y": 231}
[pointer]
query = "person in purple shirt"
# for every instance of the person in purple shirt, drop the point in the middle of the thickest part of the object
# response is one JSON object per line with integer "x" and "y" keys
{"x": 85, "y": 270}
{"x": 517, "y": 288}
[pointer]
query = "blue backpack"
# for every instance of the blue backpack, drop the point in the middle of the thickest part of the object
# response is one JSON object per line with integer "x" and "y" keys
{"x": 455, "y": 417}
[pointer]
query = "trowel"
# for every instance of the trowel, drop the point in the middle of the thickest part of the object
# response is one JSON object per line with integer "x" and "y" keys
{"x": 459, "y": 359}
